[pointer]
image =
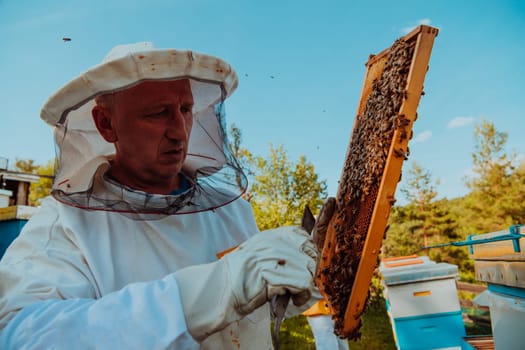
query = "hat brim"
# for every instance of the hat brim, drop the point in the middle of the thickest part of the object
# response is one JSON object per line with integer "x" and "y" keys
{"x": 132, "y": 69}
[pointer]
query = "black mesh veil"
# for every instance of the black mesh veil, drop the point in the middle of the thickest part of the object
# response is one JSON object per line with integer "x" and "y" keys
{"x": 214, "y": 181}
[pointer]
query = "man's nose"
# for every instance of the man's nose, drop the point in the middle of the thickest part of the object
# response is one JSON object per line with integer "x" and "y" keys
{"x": 176, "y": 124}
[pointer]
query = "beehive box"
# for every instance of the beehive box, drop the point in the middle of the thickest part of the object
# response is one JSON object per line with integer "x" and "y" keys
{"x": 420, "y": 289}
{"x": 17, "y": 212}
{"x": 501, "y": 263}
{"x": 422, "y": 303}
{"x": 507, "y": 317}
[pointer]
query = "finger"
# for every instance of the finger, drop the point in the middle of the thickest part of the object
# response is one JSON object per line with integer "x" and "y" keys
{"x": 302, "y": 297}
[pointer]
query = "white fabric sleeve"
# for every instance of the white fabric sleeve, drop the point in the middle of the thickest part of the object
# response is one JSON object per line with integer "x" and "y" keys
{"x": 49, "y": 298}
{"x": 140, "y": 316}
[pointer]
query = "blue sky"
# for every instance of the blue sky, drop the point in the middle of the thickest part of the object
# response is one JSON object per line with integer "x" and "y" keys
{"x": 314, "y": 50}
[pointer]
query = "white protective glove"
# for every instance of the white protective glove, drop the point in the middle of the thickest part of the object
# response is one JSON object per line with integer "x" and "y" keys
{"x": 271, "y": 262}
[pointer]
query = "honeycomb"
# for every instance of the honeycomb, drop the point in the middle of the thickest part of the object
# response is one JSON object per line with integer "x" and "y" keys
{"x": 363, "y": 170}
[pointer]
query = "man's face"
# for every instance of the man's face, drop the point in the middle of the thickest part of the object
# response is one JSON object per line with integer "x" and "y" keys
{"x": 150, "y": 128}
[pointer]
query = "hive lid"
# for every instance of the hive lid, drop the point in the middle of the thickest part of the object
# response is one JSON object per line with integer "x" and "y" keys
{"x": 404, "y": 261}
{"x": 418, "y": 273}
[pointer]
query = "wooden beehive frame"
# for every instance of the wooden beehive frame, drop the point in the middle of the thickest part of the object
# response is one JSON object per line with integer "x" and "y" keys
{"x": 423, "y": 39}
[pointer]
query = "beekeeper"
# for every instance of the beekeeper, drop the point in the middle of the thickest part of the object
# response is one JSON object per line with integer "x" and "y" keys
{"x": 125, "y": 252}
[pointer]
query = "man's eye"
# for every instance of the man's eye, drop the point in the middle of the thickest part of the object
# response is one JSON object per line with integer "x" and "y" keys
{"x": 186, "y": 109}
{"x": 157, "y": 114}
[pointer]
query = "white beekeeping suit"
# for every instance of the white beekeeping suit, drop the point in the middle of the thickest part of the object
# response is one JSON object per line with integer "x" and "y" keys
{"x": 105, "y": 266}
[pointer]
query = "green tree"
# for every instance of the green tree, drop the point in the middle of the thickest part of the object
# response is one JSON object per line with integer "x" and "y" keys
{"x": 42, "y": 188}
{"x": 411, "y": 226}
{"x": 514, "y": 204}
{"x": 420, "y": 189}
{"x": 243, "y": 156}
{"x": 497, "y": 198}
{"x": 282, "y": 188}
{"x": 26, "y": 166}
{"x": 424, "y": 221}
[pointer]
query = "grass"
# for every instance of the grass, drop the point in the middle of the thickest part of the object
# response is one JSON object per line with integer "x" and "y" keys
{"x": 376, "y": 332}
{"x": 477, "y": 326}
{"x": 296, "y": 334}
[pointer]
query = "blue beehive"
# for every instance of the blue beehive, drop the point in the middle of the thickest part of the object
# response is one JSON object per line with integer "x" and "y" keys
{"x": 14, "y": 197}
{"x": 9, "y": 230}
{"x": 12, "y": 220}
{"x": 422, "y": 303}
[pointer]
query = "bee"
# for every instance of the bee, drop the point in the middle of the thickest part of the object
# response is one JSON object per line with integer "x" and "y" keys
{"x": 402, "y": 135}
{"x": 399, "y": 153}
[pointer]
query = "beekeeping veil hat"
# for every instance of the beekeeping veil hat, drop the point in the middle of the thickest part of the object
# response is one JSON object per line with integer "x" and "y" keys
{"x": 84, "y": 156}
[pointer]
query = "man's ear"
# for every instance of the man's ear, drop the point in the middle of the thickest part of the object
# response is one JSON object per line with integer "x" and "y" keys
{"x": 103, "y": 122}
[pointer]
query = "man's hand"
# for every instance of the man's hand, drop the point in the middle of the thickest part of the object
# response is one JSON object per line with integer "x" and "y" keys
{"x": 270, "y": 263}
{"x": 274, "y": 261}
